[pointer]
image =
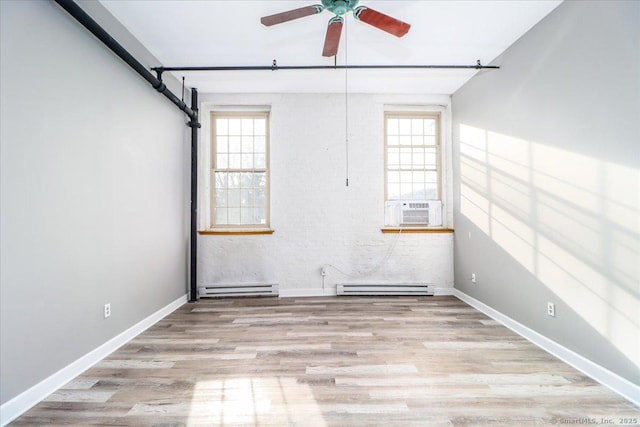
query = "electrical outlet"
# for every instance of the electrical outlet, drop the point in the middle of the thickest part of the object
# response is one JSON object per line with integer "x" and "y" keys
{"x": 473, "y": 277}
{"x": 107, "y": 310}
{"x": 324, "y": 270}
{"x": 551, "y": 309}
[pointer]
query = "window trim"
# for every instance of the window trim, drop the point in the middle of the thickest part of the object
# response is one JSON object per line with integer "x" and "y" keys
{"x": 439, "y": 145}
{"x": 241, "y": 229}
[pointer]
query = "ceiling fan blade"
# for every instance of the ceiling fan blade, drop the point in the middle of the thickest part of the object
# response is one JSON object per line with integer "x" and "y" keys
{"x": 290, "y": 15}
{"x": 381, "y": 21}
{"x": 332, "y": 39}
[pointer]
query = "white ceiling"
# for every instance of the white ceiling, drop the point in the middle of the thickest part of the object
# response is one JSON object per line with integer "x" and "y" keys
{"x": 229, "y": 33}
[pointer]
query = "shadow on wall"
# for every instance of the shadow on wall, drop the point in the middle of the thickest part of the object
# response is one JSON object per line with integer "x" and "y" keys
{"x": 570, "y": 220}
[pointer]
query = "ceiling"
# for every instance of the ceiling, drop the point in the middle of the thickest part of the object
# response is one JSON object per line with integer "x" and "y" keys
{"x": 229, "y": 33}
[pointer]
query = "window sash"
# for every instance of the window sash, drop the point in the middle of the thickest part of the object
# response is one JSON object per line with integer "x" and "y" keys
{"x": 412, "y": 156}
{"x": 240, "y": 170}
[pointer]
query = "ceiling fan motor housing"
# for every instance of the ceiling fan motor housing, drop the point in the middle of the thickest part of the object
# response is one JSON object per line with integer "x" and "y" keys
{"x": 339, "y": 7}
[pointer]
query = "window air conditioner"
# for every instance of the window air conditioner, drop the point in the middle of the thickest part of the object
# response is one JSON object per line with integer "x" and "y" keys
{"x": 413, "y": 213}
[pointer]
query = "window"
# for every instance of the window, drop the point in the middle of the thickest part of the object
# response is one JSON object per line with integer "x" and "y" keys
{"x": 240, "y": 169}
{"x": 412, "y": 150}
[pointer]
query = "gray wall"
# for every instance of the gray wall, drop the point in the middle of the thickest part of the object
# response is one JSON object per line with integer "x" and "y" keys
{"x": 547, "y": 182}
{"x": 94, "y": 171}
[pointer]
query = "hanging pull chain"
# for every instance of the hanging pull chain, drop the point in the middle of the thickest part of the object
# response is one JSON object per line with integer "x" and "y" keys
{"x": 346, "y": 101}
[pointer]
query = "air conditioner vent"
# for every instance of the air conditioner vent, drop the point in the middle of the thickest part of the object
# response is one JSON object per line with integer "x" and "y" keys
{"x": 413, "y": 213}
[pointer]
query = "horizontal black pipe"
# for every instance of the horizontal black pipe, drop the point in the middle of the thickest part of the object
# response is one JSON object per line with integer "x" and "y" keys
{"x": 321, "y": 67}
{"x": 83, "y": 18}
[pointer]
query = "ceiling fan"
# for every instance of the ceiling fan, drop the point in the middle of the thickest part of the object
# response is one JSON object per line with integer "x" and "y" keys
{"x": 339, "y": 8}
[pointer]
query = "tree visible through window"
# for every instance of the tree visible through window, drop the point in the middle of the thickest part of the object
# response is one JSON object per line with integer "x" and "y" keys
{"x": 240, "y": 172}
{"x": 412, "y": 144}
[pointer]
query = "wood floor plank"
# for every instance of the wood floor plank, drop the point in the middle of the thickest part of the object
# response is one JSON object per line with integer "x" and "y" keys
{"x": 349, "y": 361}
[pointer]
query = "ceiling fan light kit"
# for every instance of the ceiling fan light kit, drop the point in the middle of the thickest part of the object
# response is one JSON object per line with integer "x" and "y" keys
{"x": 365, "y": 14}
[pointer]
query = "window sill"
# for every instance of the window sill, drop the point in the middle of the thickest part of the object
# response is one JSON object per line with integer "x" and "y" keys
{"x": 235, "y": 231}
{"x": 409, "y": 230}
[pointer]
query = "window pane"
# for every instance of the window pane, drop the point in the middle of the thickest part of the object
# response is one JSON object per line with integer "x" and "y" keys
{"x": 233, "y": 180}
{"x": 222, "y": 161}
{"x": 418, "y": 177}
{"x": 260, "y": 215}
{"x": 247, "y": 161}
{"x": 405, "y": 158}
{"x": 405, "y": 140}
{"x": 419, "y": 191}
{"x": 429, "y": 127}
{"x": 430, "y": 158}
{"x": 429, "y": 140}
{"x": 222, "y": 144}
{"x": 220, "y": 216}
{"x": 259, "y": 126}
{"x": 221, "y": 198}
{"x": 393, "y": 191}
{"x": 260, "y": 197}
{"x": 432, "y": 192}
{"x": 246, "y": 197}
{"x": 260, "y": 180}
{"x": 246, "y": 216}
{"x": 234, "y": 198}
{"x": 235, "y": 160}
{"x": 235, "y": 126}
{"x": 392, "y": 127}
{"x": 393, "y": 158}
{"x": 393, "y": 140}
{"x": 221, "y": 180}
{"x": 259, "y": 144}
{"x": 233, "y": 216}
{"x": 247, "y": 144}
{"x": 405, "y": 126}
{"x": 418, "y": 158}
{"x": 222, "y": 126}
{"x": 406, "y": 177}
{"x": 259, "y": 161}
{"x": 417, "y": 140}
{"x": 416, "y": 127}
{"x": 247, "y": 126}
{"x": 406, "y": 191}
{"x": 235, "y": 144}
{"x": 393, "y": 177}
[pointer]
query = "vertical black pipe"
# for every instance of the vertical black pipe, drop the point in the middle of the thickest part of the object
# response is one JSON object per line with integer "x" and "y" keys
{"x": 193, "y": 294}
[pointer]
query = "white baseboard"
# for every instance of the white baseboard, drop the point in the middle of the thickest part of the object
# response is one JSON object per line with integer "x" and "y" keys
{"x": 20, "y": 404}
{"x": 446, "y": 291}
{"x": 623, "y": 387}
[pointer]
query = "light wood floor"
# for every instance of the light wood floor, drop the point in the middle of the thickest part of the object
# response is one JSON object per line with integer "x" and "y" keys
{"x": 348, "y": 361}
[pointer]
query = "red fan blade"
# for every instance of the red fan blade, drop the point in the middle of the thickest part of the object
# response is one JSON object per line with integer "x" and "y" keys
{"x": 290, "y": 15}
{"x": 332, "y": 40}
{"x": 382, "y": 21}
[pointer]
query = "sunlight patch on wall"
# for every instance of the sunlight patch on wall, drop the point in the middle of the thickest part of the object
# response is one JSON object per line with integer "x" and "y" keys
{"x": 570, "y": 219}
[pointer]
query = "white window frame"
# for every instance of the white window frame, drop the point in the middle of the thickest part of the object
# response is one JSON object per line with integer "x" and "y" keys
{"x": 443, "y": 111}
{"x": 206, "y": 167}
{"x": 437, "y": 146}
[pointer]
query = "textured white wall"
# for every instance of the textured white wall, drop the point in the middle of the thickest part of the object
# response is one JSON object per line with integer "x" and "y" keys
{"x": 318, "y": 219}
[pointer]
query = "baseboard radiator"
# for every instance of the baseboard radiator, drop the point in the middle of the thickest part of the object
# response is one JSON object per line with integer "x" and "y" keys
{"x": 385, "y": 289}
{"x": 239, "y": 290}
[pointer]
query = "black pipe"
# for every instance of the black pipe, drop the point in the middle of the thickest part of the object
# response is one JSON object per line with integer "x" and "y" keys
{"x": 193, "y": 294}
{"x": 83, "y": 18}
{"x": 322, "y": 67}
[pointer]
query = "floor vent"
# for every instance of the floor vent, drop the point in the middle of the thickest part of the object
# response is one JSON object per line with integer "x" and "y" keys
{"x": 239, "y": 290}
{"x": 384, "y": 289}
